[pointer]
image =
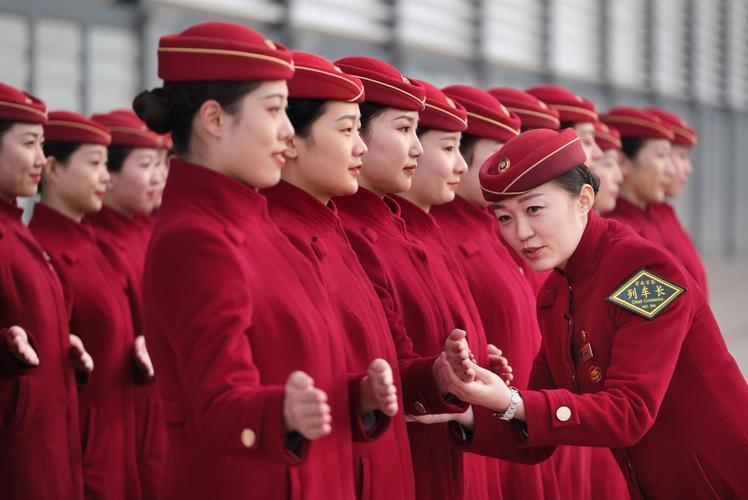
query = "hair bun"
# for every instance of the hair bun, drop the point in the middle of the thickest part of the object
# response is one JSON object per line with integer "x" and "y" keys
{"x": 152, "y": 108}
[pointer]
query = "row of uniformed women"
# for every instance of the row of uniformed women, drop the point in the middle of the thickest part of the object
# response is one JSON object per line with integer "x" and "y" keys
{"x": 114, "y": 432}
{"x": 288, "y": 331}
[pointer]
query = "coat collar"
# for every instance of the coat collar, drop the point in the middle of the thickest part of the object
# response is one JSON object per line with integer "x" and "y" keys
{"x": 420, "y": 224}
{"x": 586, "y": 258}
{"x": 191, "y": 184}
{"x": 375, "y": 212}
{"x": 320, "y": 218}
{"x": 50, "y": 219}
{"x": 10, "y": 211}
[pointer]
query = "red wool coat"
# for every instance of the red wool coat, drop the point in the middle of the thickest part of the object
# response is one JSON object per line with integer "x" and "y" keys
{"x": 413, "y": 301}
{"x": 231, "y": 309}
{"x": 481, "y": 474}
{"x": 124, "y": 241}
{"x": 663, "y": 393}
{"x": 40, "y": 454}
{"x": 100, "y": 315}
{"x": 506, "y": 304}
{"x": 382, "y": 468}
{"x": 679, "y": 243}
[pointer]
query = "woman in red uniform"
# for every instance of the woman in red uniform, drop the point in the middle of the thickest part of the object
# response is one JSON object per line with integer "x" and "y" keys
{"x": 504, "y": 298}
{"x": 134, "y": 188}
{"x": 677, "y": 239}
{"x": 646, "y": 143}
{"x": 324, "y": 160}
{"x": 74, "y": 181}
{"x": 250, "y": 358}
{"x": 608, "y": 169}
{"x": 435, "y": 181}
{"x": 632, "y": 357}
{"x": 39, "y": 438}
{"x": 399, "y": 267}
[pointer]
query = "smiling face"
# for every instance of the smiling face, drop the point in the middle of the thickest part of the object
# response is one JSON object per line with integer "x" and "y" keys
{"x": 545, "y": 224}
{"x": 608, "y": 169}
{"x": 439, "y": 170}
{"x": 469, "y": 188}
{"x": 394, "y": 148}
{"x": 682, "y": 170}
{"x": 646, "y": 175}
{"x": 586, "y": 133}
{"x": 77, "y": 187}
{"x": 327, "y": 161}
{"x": 21, "y": 160}
{"x": 135, "y": 188}
{"x": 252, "y": 141}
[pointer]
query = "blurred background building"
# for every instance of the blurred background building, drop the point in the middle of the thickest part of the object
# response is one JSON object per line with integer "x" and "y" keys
{"x": 690, "y": 56}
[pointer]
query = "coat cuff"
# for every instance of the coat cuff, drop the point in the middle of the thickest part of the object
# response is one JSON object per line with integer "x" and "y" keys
{"x": 497, "y": 438}
{"x": 262, "y": 431}
{"x": 364, "y": 427}
{"x": 546, "y": 412}
{"x": 421, "y": 395}
{"x": 10, "y": 365}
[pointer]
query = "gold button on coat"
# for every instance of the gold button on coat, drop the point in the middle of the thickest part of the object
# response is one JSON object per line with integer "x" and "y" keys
{"x": 248, "y": 438}
{"x": 563, "y": 413}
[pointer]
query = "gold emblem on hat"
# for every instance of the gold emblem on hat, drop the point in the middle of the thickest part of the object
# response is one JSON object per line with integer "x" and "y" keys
{"x": 451, "y": 103}
{"x": 542, "y": 105}
{"x": 337, "y": 69}
{"x": 504, "y": 165}
{"x": 270, "y": 44}
{"x": 405, "y": 80}
{"x": 503, "y": 109}
{"x": 595, "y": 373}
{"x": 579, "y": 98}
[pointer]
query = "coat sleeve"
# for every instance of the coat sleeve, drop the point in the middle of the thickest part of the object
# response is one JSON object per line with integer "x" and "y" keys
{"x": 643, "y": 357}
{"x": 540, "y": 375}
{"x": 205, "y": 308}
{"x": 421, "y": 395}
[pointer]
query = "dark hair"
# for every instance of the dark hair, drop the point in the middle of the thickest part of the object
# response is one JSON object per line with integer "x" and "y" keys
{"x": 117, "y": 156}
{"x": 172, "y": 107}
{"x": 303, "y": 113}
{"x": 369, "y": 111}
{"x": 563, "y": 125}
{"x": 631, "y": 146}
{"x": 60, "y": 150}
{"x": 467, "y": 147}
{"x": 5, "y": 126}
{"x": 573, "y": 180}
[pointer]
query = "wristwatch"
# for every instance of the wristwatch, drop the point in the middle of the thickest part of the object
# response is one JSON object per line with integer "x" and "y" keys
{"x": 508, "y": 414}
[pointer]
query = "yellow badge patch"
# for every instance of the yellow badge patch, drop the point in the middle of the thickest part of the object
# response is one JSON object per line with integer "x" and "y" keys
{"x": 646, "y": 294}
{"x": 595, "y": 373}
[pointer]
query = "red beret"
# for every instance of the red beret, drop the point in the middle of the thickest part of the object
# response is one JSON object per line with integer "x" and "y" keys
{"x": 606, "y": 137}
{"x": 441, "y": 112}
{"x": 317, "y": 78}
{"x": 533, "y": 112}
{"x": 18, "y": 106}
{"x": 571, "y": 107}
{"x": 633, "y": 122}
{"x": 216, "y": 51}
{"x": 66, "y": 126}
{"x": 384, "y": 84}
{"x": 682, "y": 131}
{"x": 529, "y": 160}
{"x": 129, "y": 130}
{"x": 487, "y": 117}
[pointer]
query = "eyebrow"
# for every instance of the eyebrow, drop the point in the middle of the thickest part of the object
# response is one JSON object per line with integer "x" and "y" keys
{"x": 347, "y": 117}
{"x": 34, "y": 134}
{"x": 271, "y": 96}
{"x": 529, "y": 196}
{"x": 410, "y": 118}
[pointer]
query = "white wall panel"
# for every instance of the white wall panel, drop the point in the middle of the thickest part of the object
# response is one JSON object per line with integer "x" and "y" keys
{"x": 14, "y": 56}
{"x": 575, "y": 38}
{"x": 626, "y": 29}
{"x": 707, "y": 51}
{"x": 442, "y": 26}
{"x": 115, "y": 68}
{"x": 268, "y": 11}
{"x": 671, "y": 47}
{"x": 368, "y": 20}
{"x": 512, "y": 33}
{"x": 58, "y": 67}
{"x": 737, "y": 53}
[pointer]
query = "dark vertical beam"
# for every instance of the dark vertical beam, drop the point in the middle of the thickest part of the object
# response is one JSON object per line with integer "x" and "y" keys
{"x": 85, "y": 65}
{"x": 547, "y": 34}
{"x": 650, "y": 51}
